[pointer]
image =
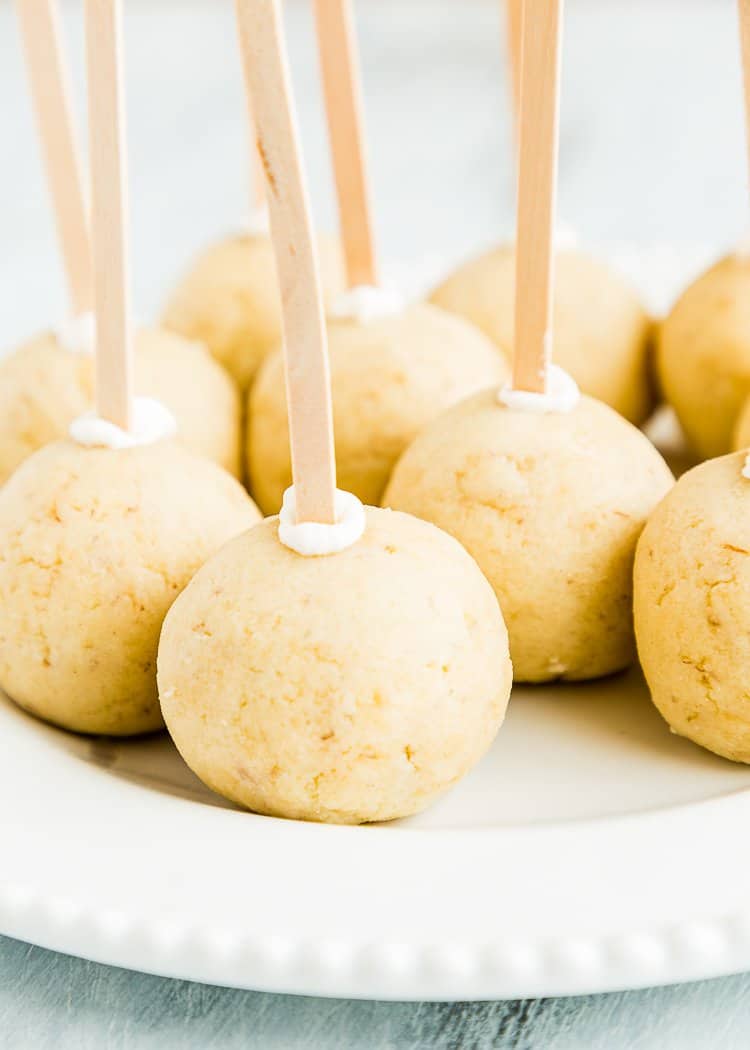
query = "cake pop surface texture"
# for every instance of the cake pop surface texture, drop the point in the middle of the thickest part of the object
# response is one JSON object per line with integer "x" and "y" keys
{"x": 703, "y": 355}
{"x": 388, "y": 378}
{"x": 95, "y": 545}
{"x": 229, "y": 300}
{"x": 345, "y": 688}
{"x": 43, "y": 387}
{"x": 692, "y": 606}
{"x": 602, "y": 334}
{"x": 551, "y": 507}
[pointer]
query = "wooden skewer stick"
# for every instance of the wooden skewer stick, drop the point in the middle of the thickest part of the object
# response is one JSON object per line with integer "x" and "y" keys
{"x": 513, "y": 37}
{"x": 114, "y": 364}
{"x": 305, "y": 347}
{"x": 744, "y": 13}
{"x": 257, "y": 177}
{"x": 48, "y": 79}
{"x": 537, "y": 179}
{"x": 343, "y": 100}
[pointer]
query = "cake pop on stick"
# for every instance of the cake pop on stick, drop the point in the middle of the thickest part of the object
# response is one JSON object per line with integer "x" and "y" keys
{"x": 100, "y": 532}
{"x": 548, "y": 490}
{"x": 48, "y": 381}
{"x": 603, "y": 335}
{"x": 394, "y": 366}
{"x": 703, "y": 352}
{"x": 692, "y": 570}
{"x": 340, "y": 663}
{"x": 229, "y": 297}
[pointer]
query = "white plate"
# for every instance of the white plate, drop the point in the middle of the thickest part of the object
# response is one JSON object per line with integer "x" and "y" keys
{"x": 590, "y": 850}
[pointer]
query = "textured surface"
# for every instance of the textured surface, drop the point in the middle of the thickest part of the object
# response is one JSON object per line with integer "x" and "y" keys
{"x": 53, "y": 1002}
{"x": 656, "y": 157}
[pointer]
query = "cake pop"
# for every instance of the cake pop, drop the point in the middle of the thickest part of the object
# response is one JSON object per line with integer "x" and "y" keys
{"x": 703, "y": 354}
{"x": 603, "y": 335}
{"x": 692, "y": 573}
{"x": 692, "y": 606}
{"x": 229, "y": 299}
{"x": 46, "y": 382}
{"x": 547, "y": 490}
{"x": 100, "y": 532}
{"x": 394, "y": 366}
{"x": 340, "y": 663}
{"x": 49, "y": 381}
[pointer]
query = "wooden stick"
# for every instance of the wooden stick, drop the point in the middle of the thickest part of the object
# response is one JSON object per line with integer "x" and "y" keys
{"x": 49, "y": 82}
{"x": 343, "y": 99}
{"x": 257, "y": 177}
{"x": 537, "y": 179}
{"x": 744, "y": 14}
{"x": 305, "y": 348}
{"x": 114, "y": 365}
{"x": 513, "y": 37}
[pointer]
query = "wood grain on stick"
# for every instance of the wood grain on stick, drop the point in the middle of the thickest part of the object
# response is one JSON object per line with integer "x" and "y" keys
{"x": 114, "y": 365}
{"x": 343, "y": 98}
{"x": 513, "y": 37}
{"x": 305, "y": 347}
{"x": 537, "y": 179}
{"x": 744, "y": 15}
{"x": 50, "y": 90}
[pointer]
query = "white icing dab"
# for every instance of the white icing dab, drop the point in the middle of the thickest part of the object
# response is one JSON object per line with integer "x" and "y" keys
{"x": 256, "y": 222}
{"x": 77, "y": 334}
{"x": 367, "y": 302}
{"x": 562, "y": 394}
{"x": 746, "y": 467}
{"x": 152, "y": 422}
{"x": 312, "y": 538}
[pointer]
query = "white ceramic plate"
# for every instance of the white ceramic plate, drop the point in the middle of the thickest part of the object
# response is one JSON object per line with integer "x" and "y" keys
{"x": 590, "y": 850}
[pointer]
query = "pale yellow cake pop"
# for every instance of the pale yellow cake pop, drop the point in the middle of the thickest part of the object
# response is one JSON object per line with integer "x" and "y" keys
{"x": 602, "y": 333}
{"x": 703, "y": 355}
{"x": 389, "y": 376}
{"x": 95, "y": 545}
{"x": 692, "y": 606}
{"x": 48, "y": 381}
{"x": 229, "y": 300}
{"x": 551, "y": 505}
{"x": 348, "y": 687}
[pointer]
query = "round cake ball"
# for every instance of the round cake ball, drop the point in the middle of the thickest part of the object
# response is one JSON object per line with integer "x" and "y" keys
{"x": 703, "y": 355}
{"x": 602, "y": 334}
{"x": 551, "y": 507}
{"x": 95, "y": 545}
{"x": 389, "y": 377}
{"x": 692, "y": 606}
{"x": 349, "y": 687}
{"x": 44, "y": 386}
{"x": 229, "y": 300}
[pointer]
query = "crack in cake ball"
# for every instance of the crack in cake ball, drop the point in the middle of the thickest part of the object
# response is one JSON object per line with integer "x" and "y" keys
{"x": 229, "y": 300}
{"x": 347, "y": 687}
{"x": 390, "y": 375}
{"x": 44, "y": 386}
{"x": 95, "y": 545}
{"x": 602, "y": 334}
{"x": 550, "y": 505}
{"x": 692, "y": 606}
